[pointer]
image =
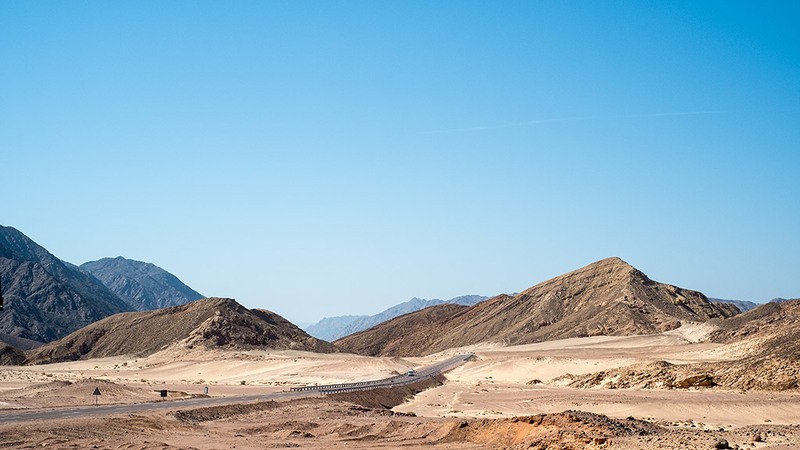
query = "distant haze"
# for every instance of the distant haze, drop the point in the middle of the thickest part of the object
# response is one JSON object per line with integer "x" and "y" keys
{"x": 332, "y": 328}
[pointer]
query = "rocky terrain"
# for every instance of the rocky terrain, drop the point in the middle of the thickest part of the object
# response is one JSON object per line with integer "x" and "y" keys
{"x": 743, "y": 305}
{"x": 10, "y": 356}
{"x": 332, "y": 328}
{"x": 764, "y": 355}
{"x": 328, "y": 422}
{"x": 214, "y": 323}
{"x": 46, "y": 298}
{"x": 18, "y": 342}
{"x": 608, "y": 297}
{"x": 506, "y": 397}
{"x": 143, "y": 286}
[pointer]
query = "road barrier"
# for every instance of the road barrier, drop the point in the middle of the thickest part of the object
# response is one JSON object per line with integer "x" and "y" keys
{"x": 400, "y": 380}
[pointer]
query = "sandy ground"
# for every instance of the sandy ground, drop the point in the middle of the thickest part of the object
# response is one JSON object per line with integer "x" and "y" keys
{"x": 501, "y": 383}
{"x": 189, "y": 372}
{"x": 498, "y": 384}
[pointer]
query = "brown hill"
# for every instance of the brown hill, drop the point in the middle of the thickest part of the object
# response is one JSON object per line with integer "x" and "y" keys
{"x": 769, "y": 358}
{"x": 212, "y": 322}
{"x": 416, "y": 329}
{"x": 608, "y": 297}
{"x": 769, "y": 337}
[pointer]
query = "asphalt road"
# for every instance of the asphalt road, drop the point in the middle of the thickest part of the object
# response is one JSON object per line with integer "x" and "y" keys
{"x": 399, "y": 380}
{"x": 77, "y": 412}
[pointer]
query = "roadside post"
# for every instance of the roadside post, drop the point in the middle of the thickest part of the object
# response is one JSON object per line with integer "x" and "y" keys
{"x": 96, "y": 394}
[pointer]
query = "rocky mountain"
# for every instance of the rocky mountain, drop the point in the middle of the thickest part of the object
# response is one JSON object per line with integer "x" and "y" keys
{"x": 10, "y": 355}
{"x": 46, "y": 298}
{"x": 763, "y": 325}
{"x": 143, "y": 286}
{"x": 18, "y": 342}
{"x": 212, "y": 323}
{"x": 332, "y": 328}
{"x": 608, "y": 297}
{"x": 768, "y": 336}
{"x": 763, "y": 343}
{"x": 743, "y": 305}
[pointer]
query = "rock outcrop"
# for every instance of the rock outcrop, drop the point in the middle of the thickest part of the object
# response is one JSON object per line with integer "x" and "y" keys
{"x": 210, "y": 323}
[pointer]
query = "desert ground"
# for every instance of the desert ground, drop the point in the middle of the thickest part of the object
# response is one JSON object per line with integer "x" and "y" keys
{"x": 478, "y": 406}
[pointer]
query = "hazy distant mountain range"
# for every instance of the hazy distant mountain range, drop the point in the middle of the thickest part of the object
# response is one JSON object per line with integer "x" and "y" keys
{"x": 332, "y": 328}
{"x": 143, "y": 286}
{"x": 47, "y": 298}
{"x": 609, "y": 297}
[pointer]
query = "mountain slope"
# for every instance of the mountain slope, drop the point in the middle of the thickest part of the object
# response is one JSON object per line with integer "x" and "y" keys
{"x": 143, "y": 286}
{"x": 18, "y": 342}
{"x": 10, "y": 356}
{"x": 331, "y": 328}
{"x": 407, "y": 335}
{"x": 762, "y": 343}
{"x": 770, "y": 334}
{"x": 743, "y": 305}
{"x": 213, "y": 322}
{"x": 608, "y": 297}
{"x": 46, "y": 298}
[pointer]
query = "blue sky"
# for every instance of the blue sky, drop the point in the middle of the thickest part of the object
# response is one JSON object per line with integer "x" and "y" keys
{"x": 325, "y": 158}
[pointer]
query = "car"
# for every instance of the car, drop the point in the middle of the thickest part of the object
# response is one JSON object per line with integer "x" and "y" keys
{"x": 411, "y": 373}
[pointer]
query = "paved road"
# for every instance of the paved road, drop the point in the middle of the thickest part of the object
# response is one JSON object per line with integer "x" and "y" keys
{"x": 399, "y": 380}
{"x": 75, "y": 412}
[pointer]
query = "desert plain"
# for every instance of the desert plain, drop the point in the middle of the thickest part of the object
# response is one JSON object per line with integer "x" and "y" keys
{"x": 506, "y": 397}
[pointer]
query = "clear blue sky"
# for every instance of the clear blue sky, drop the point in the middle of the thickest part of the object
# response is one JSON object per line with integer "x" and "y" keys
{"x": 325, "y": 158}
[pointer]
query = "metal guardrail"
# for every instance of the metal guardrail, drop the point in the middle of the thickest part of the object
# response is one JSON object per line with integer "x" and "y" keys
{"x": 322, "y": 387}
{"x": 400, "y": 380}
{"x": 412, "y": 380}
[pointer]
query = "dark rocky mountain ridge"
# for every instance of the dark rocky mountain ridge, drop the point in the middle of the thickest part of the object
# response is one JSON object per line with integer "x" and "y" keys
{"x": 143, "y": 286}
{"x": 46, "y": 298}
